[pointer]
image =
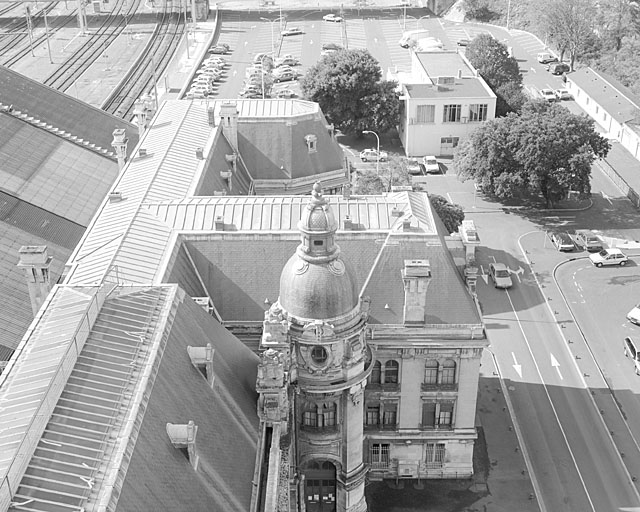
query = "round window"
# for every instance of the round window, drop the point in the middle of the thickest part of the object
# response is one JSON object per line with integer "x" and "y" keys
{"x": 319, "y": 355}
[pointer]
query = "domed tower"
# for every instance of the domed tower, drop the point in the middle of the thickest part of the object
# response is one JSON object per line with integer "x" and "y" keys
{"x": 326, "y": 319}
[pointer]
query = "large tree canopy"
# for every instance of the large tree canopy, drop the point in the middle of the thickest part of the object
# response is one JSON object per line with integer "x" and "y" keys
{"x": 451, "y": 214}
{"x": 545, "y": 150}
{"x": 491, "y": 58}
{"x": 348, "y": 87}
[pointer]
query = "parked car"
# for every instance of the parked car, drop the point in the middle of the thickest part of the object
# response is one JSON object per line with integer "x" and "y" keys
{"x": 548, "y": 94}
{"x": 431, "y": 165}
{"x": 546, "y": 58}
{"x": 293, "y": 31}
{"x": 563, "y": 94}
{"x": 500, "y": 275}
{"x": 414, "y": 167}
{"x": 331, "y": 46}
{"x": 630, "y": 350}
{"x": 634, "y": 315}
{"x": 285, "y": 93}
{"x": 332, "y": 17}
{"x": 372, "y": 154}
{"x": 219, "y": 48}
{"x": 557, "y": 68}
{"x": 609, "y": 257}
{"x": 285, "y": 68}
{"x": 562, "y": 241}
{"x": 588, "y": 240}
{"x": 463, "y": 42}
{"x": 285, "y": 76}
{"x": 286, "y": 61}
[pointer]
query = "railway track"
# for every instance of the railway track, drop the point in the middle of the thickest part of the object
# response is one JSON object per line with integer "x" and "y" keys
{"x": 14, "y": 45}
{"x": 111, "y": 27}
{"x": 140, "y": 78}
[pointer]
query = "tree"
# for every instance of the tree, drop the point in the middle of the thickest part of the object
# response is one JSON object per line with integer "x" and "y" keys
{"x": 545, "y": 150}
{"x": 568, "y": 24}
{"x": 450, "y": 214}
{"x": 348, "y": 87}
{"x": 392, "y": 173}
{"x": 510, "y": 98}
{"x": 491, "y": 58}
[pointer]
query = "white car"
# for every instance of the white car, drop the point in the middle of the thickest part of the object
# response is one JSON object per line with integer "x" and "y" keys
{"x": 431, "y": 165}
{"x": 500, "y": 275}
{"x": 285, "y": 93}
{"x": 609, "y": 257}
{"x": 332, "y": 17}
{"x": 563, "y": 94}
{"x": 294, "y": 31}
{"x": 548, "y": 94}
{"x": 634, "y": 315}
{"x": 372, "y": 154}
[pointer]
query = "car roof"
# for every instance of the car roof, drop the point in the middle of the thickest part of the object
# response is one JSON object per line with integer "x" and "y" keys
{"x": 499, "y": 266}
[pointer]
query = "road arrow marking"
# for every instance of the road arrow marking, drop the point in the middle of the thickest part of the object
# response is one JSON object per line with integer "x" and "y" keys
{"x": 517, "y": 367}
{"x": 556, "y": 365}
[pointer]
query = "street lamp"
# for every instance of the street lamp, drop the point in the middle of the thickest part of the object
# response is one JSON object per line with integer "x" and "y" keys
{"x": 378, "y": 154}
{"x": 273, "y": 50}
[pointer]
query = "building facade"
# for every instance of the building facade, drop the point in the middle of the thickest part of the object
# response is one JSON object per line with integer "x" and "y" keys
{"x": 443, "y": 100}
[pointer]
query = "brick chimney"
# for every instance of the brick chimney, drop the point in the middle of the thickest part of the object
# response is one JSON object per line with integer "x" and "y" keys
{"x": 35, "y": 261}
{"x": 229, "y": 121}
{"x": 416, "y": 276}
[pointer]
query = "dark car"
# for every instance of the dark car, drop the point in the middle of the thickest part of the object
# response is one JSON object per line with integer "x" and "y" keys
{"x": 557, "y": 68}
{"x": 331, "y": 46}
{"x": 563, "y": 241}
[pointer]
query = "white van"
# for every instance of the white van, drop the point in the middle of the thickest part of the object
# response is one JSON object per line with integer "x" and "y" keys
{"x": 631, "y": 351}
{"x": 412, "y": 35}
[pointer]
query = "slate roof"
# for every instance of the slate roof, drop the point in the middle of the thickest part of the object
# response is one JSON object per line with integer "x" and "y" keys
{"x": 227, "y": 427}
{"x": 615, "y": 99}
{"x": 62, "y": 111}
{"x": 271, "y": 138}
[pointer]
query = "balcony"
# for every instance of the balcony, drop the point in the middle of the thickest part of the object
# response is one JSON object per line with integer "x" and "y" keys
{"x": 380, "y": 426}
{"x": 383, "y": 387}
{"x": 435, "y": 427}
{"x": 438, "y": 387}
{"x": 332, "y": 429}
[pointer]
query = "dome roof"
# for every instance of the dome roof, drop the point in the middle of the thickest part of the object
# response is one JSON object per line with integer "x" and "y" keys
{"x": 316, "y": 283}
{"x": 317, "y": 291}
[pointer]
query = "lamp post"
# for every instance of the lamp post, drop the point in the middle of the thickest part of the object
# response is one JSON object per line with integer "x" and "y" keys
{"x": 273, "y": 49}
{"x": 378, "y": 154}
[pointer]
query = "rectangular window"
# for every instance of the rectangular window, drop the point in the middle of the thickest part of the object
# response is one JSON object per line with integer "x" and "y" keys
{"x": 435, "y": 455}
{"x": 390, "y": 414}
{"x": 445, "y": 417}
{"x": 429, "y": 414}
{"x": 452, "y": 113}
{"x": 478, "y": 112}
{"x": 379, "y": 455}
{"x": 329, "y": 414}
{"x": 426, "y": 114}
{"x": 373, "y": 415}
{"x": 310, "y": 419}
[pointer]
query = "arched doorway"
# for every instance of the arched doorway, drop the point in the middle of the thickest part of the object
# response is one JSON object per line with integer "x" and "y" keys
{"x": 320, "y": 486}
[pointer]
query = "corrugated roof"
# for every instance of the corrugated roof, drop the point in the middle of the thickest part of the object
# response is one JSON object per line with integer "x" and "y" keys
{"x": 62, "y": 111}
{"x": 613, "y": 97}
{"x": 166, "y": 171}
{"x": 270, "y": 108}
{"x": 91, "y": 432}
{"x": 282, "y": 213}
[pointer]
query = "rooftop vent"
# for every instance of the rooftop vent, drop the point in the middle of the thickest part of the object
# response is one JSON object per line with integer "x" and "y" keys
{"x": 142, "y": 152}
{"x": 219, "y": 223}
{"x": 202, "y": 360}
{"x": 115, "y": 197}
{"x": 347, "y": 223}
{"x": 200, "y": 153}
{"x": 446, "y": 80}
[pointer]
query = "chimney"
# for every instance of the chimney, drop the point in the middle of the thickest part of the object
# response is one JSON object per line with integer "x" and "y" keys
{"x": 211, "y": 115}
{"x": 229, "y": 119}
{"x": 140, "y": 113}
{"x": 347, "y": 223}
{"x": 35, "y": 261}
{"x": 459, "y": 74}
{"x": 119, "y": 143}
{"x": 416, "y": 276}
{"x": 200, "y": 153}
{"x": 346, "y": 191}
{"x": 219, "y": 223}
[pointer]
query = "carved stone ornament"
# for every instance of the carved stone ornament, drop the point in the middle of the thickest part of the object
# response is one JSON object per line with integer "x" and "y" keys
{"x": 355, "y": 393}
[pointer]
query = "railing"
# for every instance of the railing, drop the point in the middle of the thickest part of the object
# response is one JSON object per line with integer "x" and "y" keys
{"x": 331, "y": 429}
{"x": 383, "y": 387}
{"x": 380, "y": 426}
